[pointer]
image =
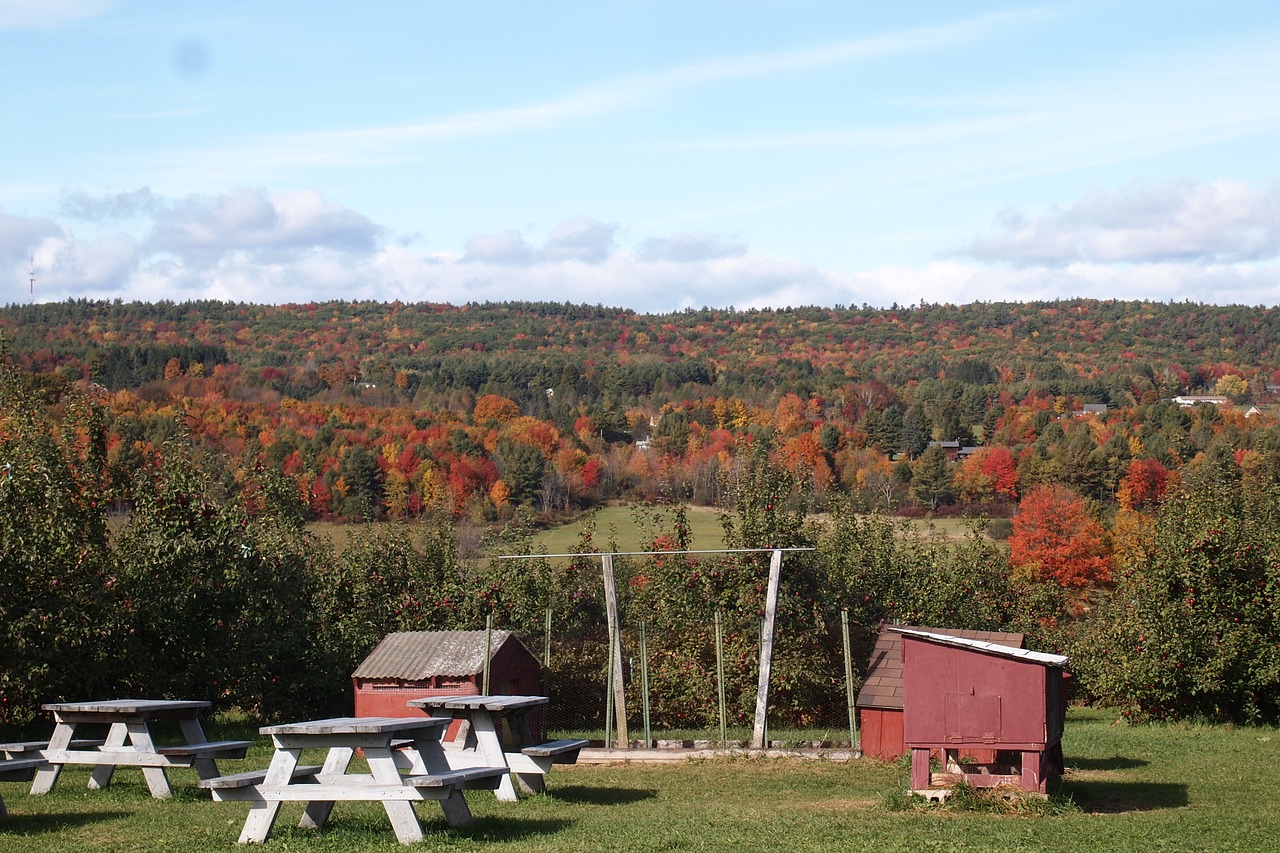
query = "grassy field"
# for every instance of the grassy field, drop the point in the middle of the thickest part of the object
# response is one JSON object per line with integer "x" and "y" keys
{"x": 1175, "y": 788}
{"x": 619, "y": 522}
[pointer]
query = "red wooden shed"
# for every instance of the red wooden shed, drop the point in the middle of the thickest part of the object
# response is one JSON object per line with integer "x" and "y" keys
{"x": 960, "y": 693}
{"x": 415, "y": 664}
{"x": 879, "y": 702}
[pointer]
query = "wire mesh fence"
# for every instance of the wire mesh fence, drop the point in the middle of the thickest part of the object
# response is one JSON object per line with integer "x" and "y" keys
{"x": 676, "y": 657}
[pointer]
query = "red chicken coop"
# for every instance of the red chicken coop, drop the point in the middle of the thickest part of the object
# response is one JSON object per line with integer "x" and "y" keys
{"x": 962, "y": 694}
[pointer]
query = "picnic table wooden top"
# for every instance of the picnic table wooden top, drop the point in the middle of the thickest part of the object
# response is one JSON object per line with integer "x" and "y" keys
{"x": 495, "y": 704}
{"x": 126, "y": 707}
{"x": 355, "y": 725}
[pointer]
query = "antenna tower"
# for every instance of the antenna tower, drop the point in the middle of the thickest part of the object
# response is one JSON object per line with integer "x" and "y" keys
{"x": 32, "y": 279}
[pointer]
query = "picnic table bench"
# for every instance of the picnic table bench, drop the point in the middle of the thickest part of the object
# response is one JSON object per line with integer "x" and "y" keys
{"x": 419, "y": 752}
{"x": 485, "y": 745}
{"x": 17, "y": 770}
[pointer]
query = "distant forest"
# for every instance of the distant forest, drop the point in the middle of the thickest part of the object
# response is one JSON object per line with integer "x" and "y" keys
{"x": 388, "y": 410}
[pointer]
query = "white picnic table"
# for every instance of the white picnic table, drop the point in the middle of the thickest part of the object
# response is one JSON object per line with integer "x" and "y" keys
{"x": 417, "y": 750}
{"x": 485, "y": 745}
{"x": 128, "y": 742}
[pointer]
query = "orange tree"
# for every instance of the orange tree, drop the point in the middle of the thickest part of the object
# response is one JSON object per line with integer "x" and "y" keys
{"x": 1055, "y": 538}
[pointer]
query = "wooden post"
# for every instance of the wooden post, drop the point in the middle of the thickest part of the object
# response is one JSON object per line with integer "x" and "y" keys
{"x": 850, "y": 696}
{"x": 644, "y": 685}
{"x": 615, "y": 651}
{"x": 488, "y": 652}
{"x": 724, "y": 738}
{"x": 546, "y": 642}
{"x": 766, "y": 649}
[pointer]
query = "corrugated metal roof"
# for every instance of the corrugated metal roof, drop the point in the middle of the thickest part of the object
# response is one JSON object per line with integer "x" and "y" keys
{"x": 985, "y": 646}
{"x": 883, "y": 685}
{"x": 419, "y": 655}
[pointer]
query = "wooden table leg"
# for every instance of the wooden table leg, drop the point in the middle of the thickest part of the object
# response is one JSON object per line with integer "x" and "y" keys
{"x": 263, "y": 813}
{"x": 335, "y": 764}
{"x": 518, "y": 725}
{"x": 47, "y": 776}
{"x": 194, "y": 733}
{"x": 432, "y": 758}
{"x": 490, "y": 749}
{"x": 157, "y": 778}
{"x": 400, "y": 812}
{"x": 102, "y": 773}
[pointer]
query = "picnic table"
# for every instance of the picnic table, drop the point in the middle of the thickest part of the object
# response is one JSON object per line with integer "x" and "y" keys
{"x": 128, "y": 743}
{"x": 417, "y": 750}
{"x": 485, "y": 745}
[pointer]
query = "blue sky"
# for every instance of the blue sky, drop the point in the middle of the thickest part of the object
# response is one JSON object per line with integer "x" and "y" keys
{"x": 641, "y": 153}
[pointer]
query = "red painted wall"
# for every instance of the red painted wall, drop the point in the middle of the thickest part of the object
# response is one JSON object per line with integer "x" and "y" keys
{"x": 956, "y": 697}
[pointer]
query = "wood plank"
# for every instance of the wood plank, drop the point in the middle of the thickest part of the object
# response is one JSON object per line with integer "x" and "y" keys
{"x": 209, "y": 748}
{"x": 19, "y": 749}
{"x": 254, "y": 777}
{"x": 332, "y": 792}
{"x": 471, "y": 777}
{"x": 118, "y": 757}
{"x": 355, "y": 725}
{"x": 127, "y": 707}
{"x": 20, "y": 769}
{"x": 556, "y": 748}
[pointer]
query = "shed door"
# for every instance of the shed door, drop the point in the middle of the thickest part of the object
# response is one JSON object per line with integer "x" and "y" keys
{"x": 971, "y": 718}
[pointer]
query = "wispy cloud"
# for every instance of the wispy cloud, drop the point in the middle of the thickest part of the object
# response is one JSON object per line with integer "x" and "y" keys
{"x": 49, "y": 14}
{"x": 393, "y": 143}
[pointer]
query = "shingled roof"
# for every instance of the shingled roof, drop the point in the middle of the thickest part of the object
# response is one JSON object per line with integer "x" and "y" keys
{"x": 419, "y": 655}
{"x": 883, "y": 687}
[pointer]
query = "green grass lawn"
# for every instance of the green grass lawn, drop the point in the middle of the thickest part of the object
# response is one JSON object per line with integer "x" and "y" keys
{"x": 619, "y": 522}
{"x": 1168, "y": 788}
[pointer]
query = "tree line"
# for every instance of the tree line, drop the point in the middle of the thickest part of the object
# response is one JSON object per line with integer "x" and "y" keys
{"x": 213, "y": 588}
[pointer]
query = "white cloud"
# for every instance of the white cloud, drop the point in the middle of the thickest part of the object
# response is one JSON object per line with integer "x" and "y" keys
{"x": 48, "y": 14}
{"x": 1220, "y": 222}
{"x": 201, "y": 229}
{"x": 690, "y": 246}
{"x": 255, "y": 246}
{"x": 505, "y": 247}
{"x": 124, "y": 205}
{"x": 20, "y": 235}
{"x": 582, "y": 239}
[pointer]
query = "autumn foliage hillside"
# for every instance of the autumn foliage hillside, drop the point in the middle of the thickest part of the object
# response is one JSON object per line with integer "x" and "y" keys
{"x": 1137, "y": 510}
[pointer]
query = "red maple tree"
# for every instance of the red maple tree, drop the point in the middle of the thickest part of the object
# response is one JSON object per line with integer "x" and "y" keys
{"x": 1055, "y": 538}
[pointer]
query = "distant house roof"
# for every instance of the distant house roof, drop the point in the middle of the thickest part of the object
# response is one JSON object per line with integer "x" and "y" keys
{"x": 1186, "y": 400}
{"x": 985, "y": 646}
{"x": 419, "y": 655}
{"x": 883, "y": 686}
{"x": 1091, "y": 409}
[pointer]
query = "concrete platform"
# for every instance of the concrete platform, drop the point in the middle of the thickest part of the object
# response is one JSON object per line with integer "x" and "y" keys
{"x": 612, "y": 756}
